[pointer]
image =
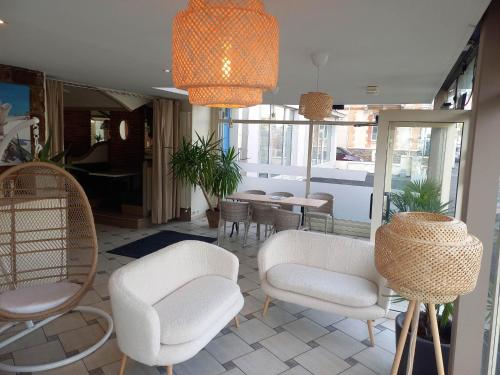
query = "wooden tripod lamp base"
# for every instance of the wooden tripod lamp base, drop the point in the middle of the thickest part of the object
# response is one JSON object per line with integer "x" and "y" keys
{"x": 411, "y": 318}
{"x": 426, "y": 258}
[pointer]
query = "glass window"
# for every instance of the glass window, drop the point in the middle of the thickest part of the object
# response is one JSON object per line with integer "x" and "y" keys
{"x": 460, "y": 92}
{"x": 273, "y": 157}
{"x": 99, "y": 130}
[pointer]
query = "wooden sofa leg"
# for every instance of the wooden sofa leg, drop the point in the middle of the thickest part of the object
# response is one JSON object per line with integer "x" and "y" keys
{"x": 266, "y": 306}
{"x": 370, "y": 332}
{"x": 123, "y": 363}
{"x": 170, "y": 370}
{"x": 237, "y": 321}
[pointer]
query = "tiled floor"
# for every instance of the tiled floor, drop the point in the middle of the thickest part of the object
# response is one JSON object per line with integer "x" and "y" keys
{"x": 291, "y": 340}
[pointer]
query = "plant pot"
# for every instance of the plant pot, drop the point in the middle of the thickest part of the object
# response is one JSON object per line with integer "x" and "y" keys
{"x": 213, "y": 218}
{"x": 425, "y": 360}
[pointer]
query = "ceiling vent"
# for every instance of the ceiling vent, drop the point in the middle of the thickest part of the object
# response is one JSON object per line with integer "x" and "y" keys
{"x": 372, "y": 90}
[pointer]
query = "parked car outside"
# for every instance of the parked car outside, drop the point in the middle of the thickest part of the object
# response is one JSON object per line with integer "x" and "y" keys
{"x": 345, "y": 155}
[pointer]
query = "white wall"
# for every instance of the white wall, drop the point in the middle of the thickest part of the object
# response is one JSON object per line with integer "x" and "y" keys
{"x": 481, "y": 202}
{"x": 200, "y": 122}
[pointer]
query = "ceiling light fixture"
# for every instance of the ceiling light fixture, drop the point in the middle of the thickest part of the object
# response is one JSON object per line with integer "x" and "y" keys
{"x": 316, "y": 105}
{"x": 2, "y": 22}
{"x": 166, "y": 70}
{"x": 225, "y": 53}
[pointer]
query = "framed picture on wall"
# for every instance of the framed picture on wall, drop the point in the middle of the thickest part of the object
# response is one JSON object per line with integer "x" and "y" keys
{"x": 14, "y": 107}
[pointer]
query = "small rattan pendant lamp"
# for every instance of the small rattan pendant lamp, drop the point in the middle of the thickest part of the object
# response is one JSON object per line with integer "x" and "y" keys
{"x": 316, "y": 105}
{"x": 426, "y": 258}
{"x": 225, "y": 53}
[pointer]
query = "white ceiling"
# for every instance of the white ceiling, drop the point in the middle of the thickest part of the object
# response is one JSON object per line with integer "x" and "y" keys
{"x": 407, "y": 47}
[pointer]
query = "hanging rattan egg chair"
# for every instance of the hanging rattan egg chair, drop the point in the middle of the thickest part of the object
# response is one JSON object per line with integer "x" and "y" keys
{"x": 48, "y": 252}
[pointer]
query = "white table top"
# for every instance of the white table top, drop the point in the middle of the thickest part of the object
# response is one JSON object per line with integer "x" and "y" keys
{"x": 288, "y": 201}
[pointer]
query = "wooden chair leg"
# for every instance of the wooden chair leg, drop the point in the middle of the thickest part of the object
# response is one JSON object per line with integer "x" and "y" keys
{"x": 266, "y": 305}
{"x": 370, "y": 332}
{"x": 123, "y": 363}
{"x": 402, "y": 338}
{"x": 170, "y": 370}
{"x": 237, "y": 321}
{"x": 435, "y": 337}
{"x": 258, "y": 231}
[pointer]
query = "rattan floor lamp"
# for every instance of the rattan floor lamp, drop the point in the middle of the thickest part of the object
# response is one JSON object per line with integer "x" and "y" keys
{"x": 48, "y": 254}
{"x": 426, "y": 258}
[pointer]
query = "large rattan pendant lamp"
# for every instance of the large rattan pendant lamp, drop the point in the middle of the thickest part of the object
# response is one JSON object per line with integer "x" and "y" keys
{"x": 426, "y": 258}
{"x": 316, "y": 105}
{"x": 225, "y": 53}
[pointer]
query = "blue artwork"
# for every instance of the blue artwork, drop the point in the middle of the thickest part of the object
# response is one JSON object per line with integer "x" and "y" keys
{"x": 18, "y": 96}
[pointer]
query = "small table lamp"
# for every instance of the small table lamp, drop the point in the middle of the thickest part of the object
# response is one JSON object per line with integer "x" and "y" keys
{"x": 426, "y": 258}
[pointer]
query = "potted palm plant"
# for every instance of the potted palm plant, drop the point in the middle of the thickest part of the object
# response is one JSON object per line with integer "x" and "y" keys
{"x": 206, "y": 165}
{"x": 424, "y": 196}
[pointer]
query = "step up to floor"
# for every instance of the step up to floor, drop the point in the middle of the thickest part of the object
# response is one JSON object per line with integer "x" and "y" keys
{"x": 119, "y": 219}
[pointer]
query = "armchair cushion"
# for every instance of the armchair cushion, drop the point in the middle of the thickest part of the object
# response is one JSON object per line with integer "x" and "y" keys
{"x": 191, "y": 310}
{"x": 331, "y": 286}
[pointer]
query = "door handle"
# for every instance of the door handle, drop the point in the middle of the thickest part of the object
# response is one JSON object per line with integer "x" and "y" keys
{"x": 387, "y": 205}
{"x": 371, "y": 206}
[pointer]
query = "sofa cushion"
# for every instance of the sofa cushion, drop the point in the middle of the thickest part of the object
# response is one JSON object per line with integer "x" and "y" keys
{"x": 189, "y": 311}
{"x": 327, "y": 285}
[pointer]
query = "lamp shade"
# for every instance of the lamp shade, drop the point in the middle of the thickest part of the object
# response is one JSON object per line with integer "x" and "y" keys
{"x": 225, "y": 53}
{"x": 428, "y": 257}
{"x": 315, "y": 106}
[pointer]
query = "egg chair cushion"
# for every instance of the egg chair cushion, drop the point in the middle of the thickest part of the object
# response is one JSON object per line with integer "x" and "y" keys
{"x": 35, "y": 299}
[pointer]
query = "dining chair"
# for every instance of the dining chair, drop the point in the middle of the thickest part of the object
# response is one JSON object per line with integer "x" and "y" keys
{"x": 324, "y": 212}
{"x": 263, "y": 214}
{"x": 284, "y": 220}
{"x": 256, "y": 192}
{"x": 235, "y": 212}
{"x": 283, "y": 194}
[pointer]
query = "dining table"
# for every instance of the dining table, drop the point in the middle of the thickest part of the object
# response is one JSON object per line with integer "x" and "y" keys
{"x": 278, "y": 200}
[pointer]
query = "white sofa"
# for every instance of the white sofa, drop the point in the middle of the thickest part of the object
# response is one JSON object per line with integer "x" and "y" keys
{"x": 324, "y": 272}
{"x": 168, "y": 305}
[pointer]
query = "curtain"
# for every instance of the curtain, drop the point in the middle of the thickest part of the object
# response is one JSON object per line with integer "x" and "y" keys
{"x": 166, "y": 138}
{"x": 55, "y": 115}
{"x": 215, "y": 114}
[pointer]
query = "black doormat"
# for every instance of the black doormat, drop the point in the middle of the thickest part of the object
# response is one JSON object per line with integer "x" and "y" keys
{"x": 155, "y": 242}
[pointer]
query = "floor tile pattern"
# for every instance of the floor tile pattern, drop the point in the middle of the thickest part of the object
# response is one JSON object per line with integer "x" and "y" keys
{"x": 290, "y": 340}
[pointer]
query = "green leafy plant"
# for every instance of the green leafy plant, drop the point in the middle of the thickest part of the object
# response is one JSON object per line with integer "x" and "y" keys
{"x": 423, "y": 196}
{"x": 45, "y": 155}
{"x": 204, "y": 164}
{"x": 419, "y": 196}
{"x": 226, "y": 174}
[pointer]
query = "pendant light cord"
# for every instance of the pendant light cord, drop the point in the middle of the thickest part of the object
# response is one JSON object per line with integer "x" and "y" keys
{"x": 317, "y": 78}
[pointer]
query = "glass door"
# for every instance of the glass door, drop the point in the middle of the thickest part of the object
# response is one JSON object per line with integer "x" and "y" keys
{"x": 298, "y": 157}
{"x": 419, "y": 159}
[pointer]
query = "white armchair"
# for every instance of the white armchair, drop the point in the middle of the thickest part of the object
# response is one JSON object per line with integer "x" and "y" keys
{"x": 168, "y": 305}
{"x": 324, "y": 272}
